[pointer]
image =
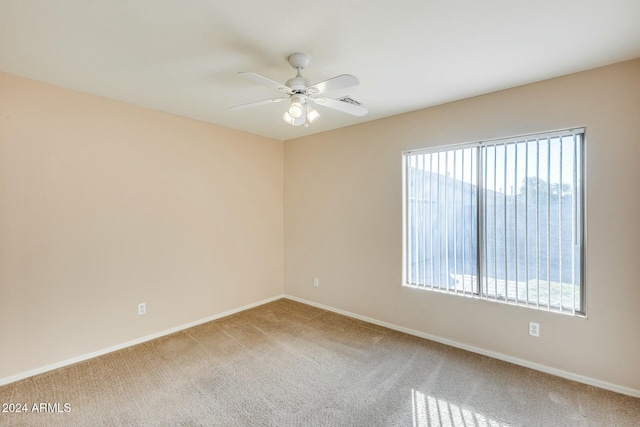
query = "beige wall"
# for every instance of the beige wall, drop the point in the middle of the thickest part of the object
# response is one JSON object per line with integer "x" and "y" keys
{"x": 343, "y": 222}
{"x": 104, "y": 205}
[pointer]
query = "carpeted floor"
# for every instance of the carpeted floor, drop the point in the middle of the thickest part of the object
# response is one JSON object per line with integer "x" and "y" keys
{"x": 289, "y": 364}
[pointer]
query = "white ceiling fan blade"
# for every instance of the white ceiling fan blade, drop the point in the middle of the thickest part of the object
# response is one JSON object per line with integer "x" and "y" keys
{"x": 345, "y": 107}
{"x": 255, "y": 104}
{"x": 339, "y": 82}
{"x": 260, "y": 79}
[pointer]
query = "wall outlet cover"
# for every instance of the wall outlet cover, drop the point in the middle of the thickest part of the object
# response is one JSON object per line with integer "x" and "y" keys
{"x": 534, "y": 329}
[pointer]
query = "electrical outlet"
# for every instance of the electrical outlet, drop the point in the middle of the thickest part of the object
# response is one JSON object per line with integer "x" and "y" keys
{"x": 142, "y": 308}
{"x": 316, "y": 281}
{"x": 534, "y": 329}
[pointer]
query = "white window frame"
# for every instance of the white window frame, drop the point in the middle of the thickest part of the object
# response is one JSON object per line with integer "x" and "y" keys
{"x": 481, "y": 287}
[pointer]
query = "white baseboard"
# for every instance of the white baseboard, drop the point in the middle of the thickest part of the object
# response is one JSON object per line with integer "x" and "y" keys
{"x": 527, "y": 364}
{"x": 23, "y": 375}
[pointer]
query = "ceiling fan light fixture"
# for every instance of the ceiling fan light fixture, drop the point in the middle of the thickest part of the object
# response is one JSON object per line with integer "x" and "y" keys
{"x": 287, "y": 118}
{"x": 293, "y": 121}
{"x": 312, "y": 115}
{"x": 295, "y": 110}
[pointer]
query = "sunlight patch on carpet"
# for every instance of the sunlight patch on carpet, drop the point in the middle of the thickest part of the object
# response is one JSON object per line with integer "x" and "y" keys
{"x": 429, "y": 411}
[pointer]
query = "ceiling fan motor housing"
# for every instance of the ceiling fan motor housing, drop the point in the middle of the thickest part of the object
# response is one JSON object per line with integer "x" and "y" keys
{"x": 299, "y": 84}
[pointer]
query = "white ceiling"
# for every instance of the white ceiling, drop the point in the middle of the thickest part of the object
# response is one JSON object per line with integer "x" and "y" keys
{"x": 183, "y": 56}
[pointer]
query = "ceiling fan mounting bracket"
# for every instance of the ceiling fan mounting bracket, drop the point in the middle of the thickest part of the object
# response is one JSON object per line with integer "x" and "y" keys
{"x": 299, "y": 60}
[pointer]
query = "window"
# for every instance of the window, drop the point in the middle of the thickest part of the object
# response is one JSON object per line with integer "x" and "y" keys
{"x": 501, "y": 220}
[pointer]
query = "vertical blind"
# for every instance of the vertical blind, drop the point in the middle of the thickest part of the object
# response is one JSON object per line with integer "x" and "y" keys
{"x": 502, "y": 220}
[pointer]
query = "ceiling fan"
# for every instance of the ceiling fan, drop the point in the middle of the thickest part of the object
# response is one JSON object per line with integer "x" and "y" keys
{"x": 302, "y": 94}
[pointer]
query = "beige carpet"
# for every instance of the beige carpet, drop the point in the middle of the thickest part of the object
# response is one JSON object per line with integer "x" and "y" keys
{"x": 289, "y": 364}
